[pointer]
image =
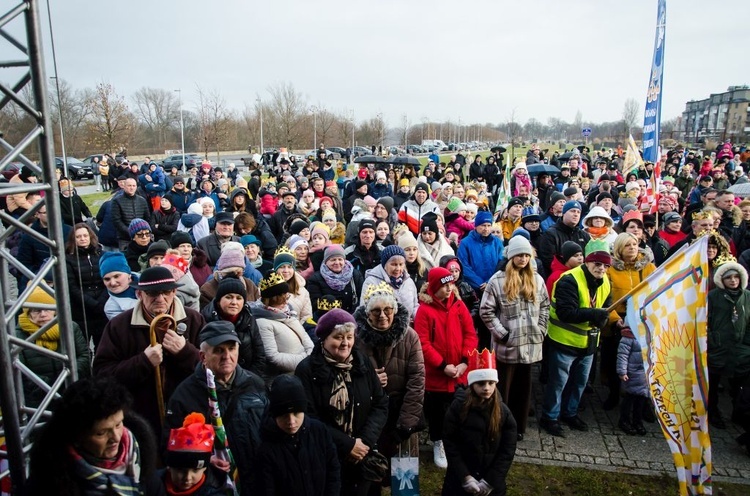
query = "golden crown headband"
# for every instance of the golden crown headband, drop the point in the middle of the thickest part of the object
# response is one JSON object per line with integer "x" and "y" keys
{"x": 283, "y": 249}
{"x": 270, "y": 281}
{"x": 383, "y": 287}
{"x": 326, "y": 305}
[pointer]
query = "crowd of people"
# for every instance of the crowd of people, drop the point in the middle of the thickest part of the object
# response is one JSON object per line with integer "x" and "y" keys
{"x": 342, "y": 309}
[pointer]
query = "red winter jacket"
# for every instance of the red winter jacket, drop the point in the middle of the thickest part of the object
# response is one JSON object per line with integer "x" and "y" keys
{"x": 555, "y": 272}
{"x": 447, "y": 334}
{"x": 672, "y": 238}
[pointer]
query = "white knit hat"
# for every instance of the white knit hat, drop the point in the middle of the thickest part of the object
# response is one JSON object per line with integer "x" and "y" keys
{"x": 518, "y": 245}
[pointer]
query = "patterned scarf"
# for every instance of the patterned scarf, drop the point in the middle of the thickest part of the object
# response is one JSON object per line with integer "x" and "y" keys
{"x": 335, "y": 281}
{"x": 340, "y": 394}
{"x": 49, "y": 340}
{"x": 119, "y": 476}
{"x": 396, "y": 282}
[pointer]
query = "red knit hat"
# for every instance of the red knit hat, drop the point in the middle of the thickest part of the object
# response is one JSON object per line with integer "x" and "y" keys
{"x": 438, "y": 277}
{"x": 191, "y": 445}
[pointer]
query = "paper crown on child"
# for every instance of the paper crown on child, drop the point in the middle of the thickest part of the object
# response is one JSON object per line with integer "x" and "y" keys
{"x": 482, "y": 366}
{"x": 327, "y": 303}
{"x": 191, "y": 445}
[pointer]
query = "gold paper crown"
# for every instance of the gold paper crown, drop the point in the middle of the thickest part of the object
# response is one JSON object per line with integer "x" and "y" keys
{"x": 383, "y": 287}
{"x": 722, "y": 259}
{"x": 325, "y": 304}
{"x": 283, "y": 249}
{"x": 270, "y": 280}
{"x": 701, "y": 215}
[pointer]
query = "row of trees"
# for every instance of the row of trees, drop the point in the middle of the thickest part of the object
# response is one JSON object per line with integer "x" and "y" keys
{"x": 100, "y": 119}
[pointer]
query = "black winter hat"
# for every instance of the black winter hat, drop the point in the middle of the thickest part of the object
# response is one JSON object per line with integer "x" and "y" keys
{"x": 365, "y": 224}
{"x": 158, "y": 248}
{"x": 569, "y": 248}
{"x": 387, "y": 202}
{"x": 231, "y": 285}
{"x": 287, "y": 395}
{"x": 297, "y": 226}
{"x": 422, "y": 187}
{"x": 180, "y": 237}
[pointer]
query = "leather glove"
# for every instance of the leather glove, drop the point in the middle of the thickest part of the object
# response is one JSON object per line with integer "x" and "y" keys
{"x": 600, "y": 317}
{"x": 470, "y": 485}
{"x": 484, "y": 488}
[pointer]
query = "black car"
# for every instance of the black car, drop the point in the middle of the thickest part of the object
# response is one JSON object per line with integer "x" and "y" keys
{"x": 191, "y": 160}
{"x": 76, "y": 168}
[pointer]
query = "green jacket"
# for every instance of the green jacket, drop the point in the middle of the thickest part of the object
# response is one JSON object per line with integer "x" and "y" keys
{"x": 48, "y": 369}
{"x": 728, "y": 341}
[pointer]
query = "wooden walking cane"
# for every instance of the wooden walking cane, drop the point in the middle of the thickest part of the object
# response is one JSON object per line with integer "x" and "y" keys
{"x": 157, "y": 369}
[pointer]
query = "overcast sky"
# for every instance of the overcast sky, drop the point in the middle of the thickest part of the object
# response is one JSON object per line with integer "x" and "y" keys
{"x": 475, "y": 59}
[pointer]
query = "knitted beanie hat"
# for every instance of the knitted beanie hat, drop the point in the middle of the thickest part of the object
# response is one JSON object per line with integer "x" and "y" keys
{"x": 180, "y": 237}
{"x": 330, "y": 320}
{"x": 483, "y": 217}
{"x": 113, "y": 261}
{"x": 329, "y": 214}
{"x": 568, "y": 250}
{"x": 320, "y": 228}
{"x": 597, "y": 250}
{"x": 295, "y": 242}
{"x": 391, "y": 251}
{"x": 137, "y": 225}
{"x": 283, "y": 256}
{"x": 286, "y": 395}
{"x": 407, "y": 240}
{"x": 518, "y": 245}
{"x": 231, "y": 285}
{"x": 333, "y": 251}
{"x": 571, "y": 204}
{"x": 455, "y": 205}
{"x": 249, "y": 239}
{"x": 231, "y": 258}
{"x": 297, "y": 226}
{"x": 437, "y": 277}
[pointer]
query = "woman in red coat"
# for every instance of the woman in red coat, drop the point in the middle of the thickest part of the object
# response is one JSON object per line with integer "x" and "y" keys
{"x": 447, "y": 334}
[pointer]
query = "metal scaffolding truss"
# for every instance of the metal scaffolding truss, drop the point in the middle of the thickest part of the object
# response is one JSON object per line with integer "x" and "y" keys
{"x": 19, "y": 420}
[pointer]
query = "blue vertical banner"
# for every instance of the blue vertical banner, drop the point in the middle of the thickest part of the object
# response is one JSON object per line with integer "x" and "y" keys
{"x": 652, "y": 115}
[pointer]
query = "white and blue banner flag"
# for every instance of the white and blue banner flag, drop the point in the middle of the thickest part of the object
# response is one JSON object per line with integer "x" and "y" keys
{"x": 652, "y": 115}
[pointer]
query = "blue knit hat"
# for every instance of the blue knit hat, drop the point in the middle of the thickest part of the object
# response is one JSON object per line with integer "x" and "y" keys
{"x": 520, "y": 231}
{"x": 391, "y": 251}
{"x": 137, "y": 225}
{"x": 570, "y": 204}
{"x": 113, "y": 261}
{"x": 483, "y": 217}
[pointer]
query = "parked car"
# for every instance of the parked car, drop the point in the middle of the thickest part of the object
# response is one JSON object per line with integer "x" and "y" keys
{"x": 191, "y": 160}
{"x": 337, "y": 149}
{"x": 76, "y": 168}
{"x": 330, "y": 154}
{"x": 359, "y": 151}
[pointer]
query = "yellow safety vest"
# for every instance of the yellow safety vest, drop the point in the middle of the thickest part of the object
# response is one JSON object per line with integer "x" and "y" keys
{"x": 575, "y": 335}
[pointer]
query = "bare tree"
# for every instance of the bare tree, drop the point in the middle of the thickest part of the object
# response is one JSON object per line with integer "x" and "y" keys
{"x": 159, "y": 111}
{"x": 287, "y": 111}
{"x": 213, "y": 118}
{"x": 74, "y": 107}
{"x": 326, "y": 120}
{"x": 111, "y": 123}
{"x": 630, "y": 114}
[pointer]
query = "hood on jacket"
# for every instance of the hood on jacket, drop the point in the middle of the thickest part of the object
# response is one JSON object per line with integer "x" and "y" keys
{"x": 376, "y": 338}
{"x": 443, "y": 262}
{"x": 723, "y": 268}
{"x": 644, "y": 258}
{"x": 599, "y": 212}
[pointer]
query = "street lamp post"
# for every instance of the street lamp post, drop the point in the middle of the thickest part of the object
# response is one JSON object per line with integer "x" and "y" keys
{"x": 315, "y": 127}
{"x": 182, "y": 133}
{"x": 260, "y": 107}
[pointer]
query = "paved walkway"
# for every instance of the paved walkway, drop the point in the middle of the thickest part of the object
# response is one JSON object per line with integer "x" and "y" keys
{"x": 605, "y": 447}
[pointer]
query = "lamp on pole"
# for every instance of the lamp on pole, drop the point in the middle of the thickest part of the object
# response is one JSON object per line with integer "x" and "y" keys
{"x": 260, "y": 107}
{"x": 182, "y": 132}
{"x": 315, "y": 127}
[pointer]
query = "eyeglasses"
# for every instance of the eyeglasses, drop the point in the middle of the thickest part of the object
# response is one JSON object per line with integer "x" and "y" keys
{"x": 144, "y": 234}
{"x": 388, "y": 311}
{"x": 156, "y": 294}
{"x": 599, "y": 265}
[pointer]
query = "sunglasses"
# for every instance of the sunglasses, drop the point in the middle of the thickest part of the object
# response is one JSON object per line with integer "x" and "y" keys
{"x": 378, "y": 311}
{"x": 156, "y": 294}
{"x": 143, "y": 234}
{"x": 599, "y": 265}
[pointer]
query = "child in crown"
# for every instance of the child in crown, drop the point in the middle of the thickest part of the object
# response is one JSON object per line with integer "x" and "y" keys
{"x": 479, "y": 434}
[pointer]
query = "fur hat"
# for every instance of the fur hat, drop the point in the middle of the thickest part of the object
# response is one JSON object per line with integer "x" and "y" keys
{"x": 729, "y": 268}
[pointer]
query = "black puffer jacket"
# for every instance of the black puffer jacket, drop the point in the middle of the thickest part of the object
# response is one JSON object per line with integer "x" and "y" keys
{"x": 126, "y": 208}
{"x": 166, "y": 222}
{"x": 263, "y": 232}
{"x": 305, "y": 464}
{"x": 252, "y": 354}
{"x": 365, "y": 393}
{"x": 470, "y": 451}
{"x": 242, "y": 405}
{"x": 86, "y": 286}
{"x": 552, "y": 240}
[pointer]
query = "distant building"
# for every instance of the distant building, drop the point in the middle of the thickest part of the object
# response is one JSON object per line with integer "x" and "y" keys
{"x": 721, "y": 116}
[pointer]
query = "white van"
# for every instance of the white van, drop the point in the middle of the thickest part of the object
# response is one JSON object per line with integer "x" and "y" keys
{"x": 438, "y": 145}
